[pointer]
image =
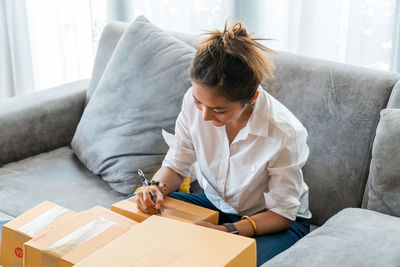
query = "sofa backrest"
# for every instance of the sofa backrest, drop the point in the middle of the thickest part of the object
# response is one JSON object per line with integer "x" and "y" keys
{"x": 339, "y": 104}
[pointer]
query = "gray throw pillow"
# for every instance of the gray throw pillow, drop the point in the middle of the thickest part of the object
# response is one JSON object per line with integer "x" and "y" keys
{"x": 351, "y": 238}
{"x": 384, "y": 176}
{"x": 139, "y": 94}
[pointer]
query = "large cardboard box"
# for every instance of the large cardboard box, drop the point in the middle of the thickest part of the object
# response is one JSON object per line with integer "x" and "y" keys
{"x": 112, "y": 216}
{"x": 25, "y": 227}
{"x": 175, "y": 209}
{"x": 71, "y": 241}
{"x": 160, "y": 241}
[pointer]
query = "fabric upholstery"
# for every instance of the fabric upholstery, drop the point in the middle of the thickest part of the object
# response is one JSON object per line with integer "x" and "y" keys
{"x": 139, "y": 94}
{"x": 384, "y": 177}
{"x": 109, "y": 38}
{"x": 57, "y": 176}
{"x": 339, "y": 105}
{"x": 394, "y": 100}
{"x": 353, "y": 237}
{"x": 40, "y": 122}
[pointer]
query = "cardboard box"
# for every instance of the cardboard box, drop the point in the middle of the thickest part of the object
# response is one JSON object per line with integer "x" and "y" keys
{"x": 71, "y": 241}
{"x": 112, "y": 216}
{"x": 177, "y": 209}
{"x": 160, "y": 241}
{"x": 25, "y": 227}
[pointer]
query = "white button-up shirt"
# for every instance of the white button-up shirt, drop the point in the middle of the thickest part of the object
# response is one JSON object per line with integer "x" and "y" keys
{"x": 260, "y": 170}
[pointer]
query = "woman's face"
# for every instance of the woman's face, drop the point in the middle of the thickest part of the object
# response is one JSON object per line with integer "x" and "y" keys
{"x": 215, "y": 108}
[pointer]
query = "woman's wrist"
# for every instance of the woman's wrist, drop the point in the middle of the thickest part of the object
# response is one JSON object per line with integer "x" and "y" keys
{"x": 245, "y": 228}
{"x": 162, "y": 187}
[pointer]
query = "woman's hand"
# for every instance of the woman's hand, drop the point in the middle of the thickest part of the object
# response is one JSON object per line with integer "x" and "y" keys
{"x": 144, "y": 202}
{"x": 211, "y": 225}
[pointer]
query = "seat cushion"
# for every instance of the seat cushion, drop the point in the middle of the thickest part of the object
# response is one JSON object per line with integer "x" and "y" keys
{"x": 353, "y": 237}
{"x": 57, "y": 176}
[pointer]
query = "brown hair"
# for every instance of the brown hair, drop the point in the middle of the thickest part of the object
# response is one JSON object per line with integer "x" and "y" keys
{"x": 231, "y": 62}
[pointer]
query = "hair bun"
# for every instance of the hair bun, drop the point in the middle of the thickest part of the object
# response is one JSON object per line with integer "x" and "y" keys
{"x": 228, "y": 35}
{"x": 238, "y": 30}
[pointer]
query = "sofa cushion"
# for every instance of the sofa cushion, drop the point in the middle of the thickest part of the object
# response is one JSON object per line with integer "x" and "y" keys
{"x": 384, "y": 175}
{"x": 339, "y": 105}
{"x": 108, "y": 41}
{"x": 57, "y": 176}
{"x": 353, "y": 237}
{"x": 139, "y": 94}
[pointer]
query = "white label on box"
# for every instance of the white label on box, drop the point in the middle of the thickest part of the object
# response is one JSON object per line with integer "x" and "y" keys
{"x": 80, "y": 236}
{"x": 42, "y": 220}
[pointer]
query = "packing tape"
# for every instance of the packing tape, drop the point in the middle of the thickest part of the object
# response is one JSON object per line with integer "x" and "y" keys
{"x": 42, "y": 220}
{"x": 80, "y": 236}
{"x": 181, "y": 214}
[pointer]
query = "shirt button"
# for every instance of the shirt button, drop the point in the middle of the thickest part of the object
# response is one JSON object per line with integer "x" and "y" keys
{"x": 253, "y": 168}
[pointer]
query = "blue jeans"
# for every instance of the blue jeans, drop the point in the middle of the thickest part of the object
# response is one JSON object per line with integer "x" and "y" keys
{"x": 268, "y": 246}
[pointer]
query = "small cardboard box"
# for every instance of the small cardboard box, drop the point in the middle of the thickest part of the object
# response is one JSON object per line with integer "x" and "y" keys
{"x": 25, "y": 227}
{"x": 68, "y": 243}
{"x": 160, "y": 241}
{"x": 174, "y": 209}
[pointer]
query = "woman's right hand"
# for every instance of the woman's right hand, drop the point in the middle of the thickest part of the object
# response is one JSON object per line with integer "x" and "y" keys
{"x": 144, "y": 202}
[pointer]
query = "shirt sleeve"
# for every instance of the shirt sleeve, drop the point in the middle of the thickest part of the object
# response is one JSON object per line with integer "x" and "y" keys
{"x": 286, "y": 183}
{"x": 181, "y": 155}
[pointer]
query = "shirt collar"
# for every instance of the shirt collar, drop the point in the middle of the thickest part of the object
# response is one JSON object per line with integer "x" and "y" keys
{"x": 259, "y": 118}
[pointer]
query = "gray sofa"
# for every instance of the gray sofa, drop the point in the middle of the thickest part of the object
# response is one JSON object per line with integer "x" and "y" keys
{"x": 339, "y": 104}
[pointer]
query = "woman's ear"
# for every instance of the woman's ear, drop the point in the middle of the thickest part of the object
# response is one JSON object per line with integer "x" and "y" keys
{"x": 253, "y": 99}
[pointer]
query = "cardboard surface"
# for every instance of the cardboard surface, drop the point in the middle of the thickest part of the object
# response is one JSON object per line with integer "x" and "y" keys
{"x": 160, "y": 241}
{"x": 27, "y": 226}
{"x": 71, "y": 241}
{"x": 175, "y": 209}
{"x": 112, "y": 216}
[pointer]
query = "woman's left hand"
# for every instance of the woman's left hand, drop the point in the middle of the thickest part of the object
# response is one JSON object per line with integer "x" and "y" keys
{"x": 211, "y": 225}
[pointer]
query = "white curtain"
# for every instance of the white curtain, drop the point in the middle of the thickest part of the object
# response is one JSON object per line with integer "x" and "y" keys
{"x": 357, "y": 32}
{"x": 16, "y": 75}
{"x": 189, "y": 16}
{"x": 395, "y": 56}
{"x": 63, "y": 39}
{"x": 50, "y": 42}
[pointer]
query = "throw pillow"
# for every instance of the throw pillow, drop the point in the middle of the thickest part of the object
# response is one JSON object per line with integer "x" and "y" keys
{"x": 139, "y": 94}
{"x": 384, "y": 176}
{"x": 352, "y": 237}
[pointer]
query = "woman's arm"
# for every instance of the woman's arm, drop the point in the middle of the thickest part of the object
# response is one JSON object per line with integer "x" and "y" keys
{"x": 267, "y": 222}
{"x": 169, "y": 177}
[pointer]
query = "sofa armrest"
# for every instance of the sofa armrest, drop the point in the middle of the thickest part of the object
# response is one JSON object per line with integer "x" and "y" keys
{"x": 40, "y": 122}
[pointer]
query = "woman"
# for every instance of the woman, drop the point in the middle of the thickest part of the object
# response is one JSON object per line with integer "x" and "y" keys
{"x": 249, "y": 147}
